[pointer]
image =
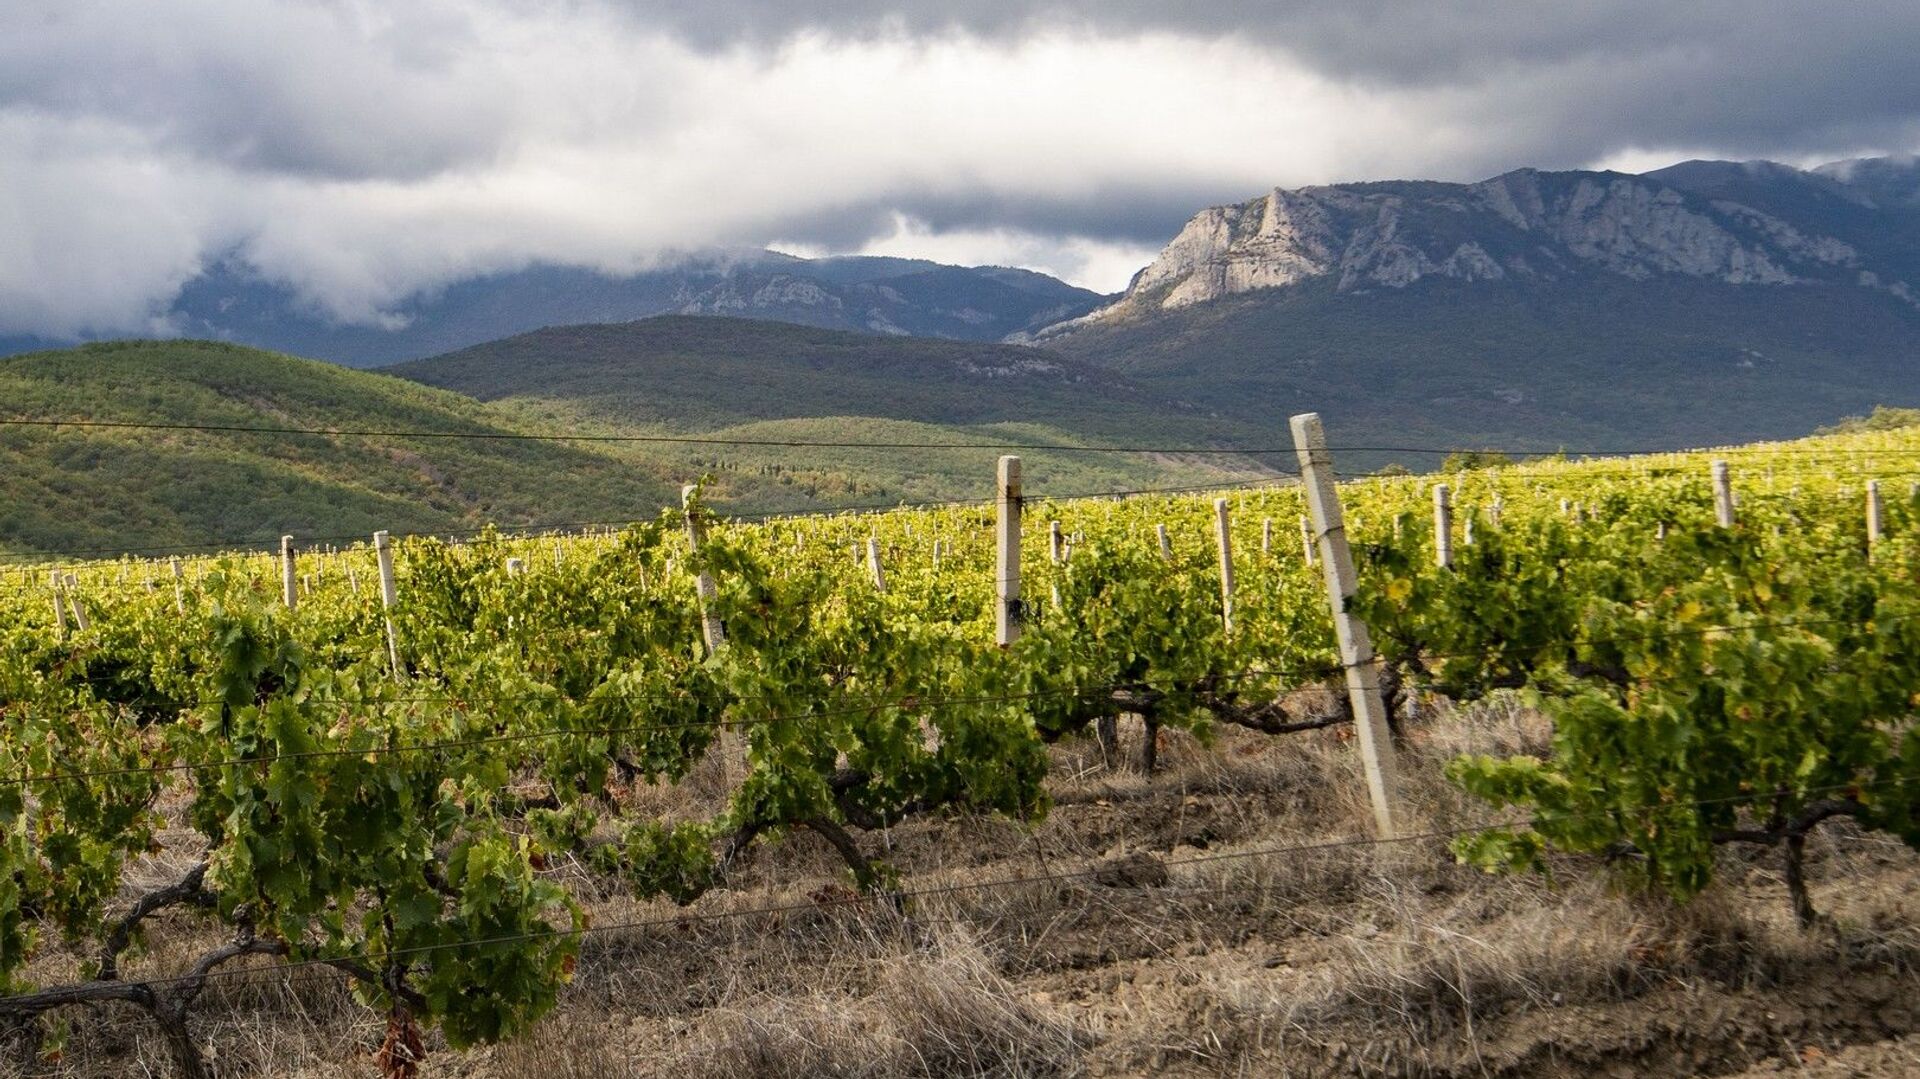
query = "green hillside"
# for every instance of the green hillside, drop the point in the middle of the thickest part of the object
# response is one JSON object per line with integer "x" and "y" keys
{"x": 72, "y": 490}
{"x": 725, "y": 378}
{"x": 1593, "y": 361}
{"x": 63, "y": 489}
{"x": 689, "y": 374}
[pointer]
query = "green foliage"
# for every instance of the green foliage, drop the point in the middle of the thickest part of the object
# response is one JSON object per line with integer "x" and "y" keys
{"x": 736, "y": 378}
{"x": 1467, "y": 460}
{"x": 676, "y": 861}
{"x": 1882, "y": 418}
{"x": 1706, "y": 685}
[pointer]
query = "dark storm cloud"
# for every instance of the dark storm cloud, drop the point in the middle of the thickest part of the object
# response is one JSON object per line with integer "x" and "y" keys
{"x": 1568, "y": 80}
{"x": 1399, "y": 42}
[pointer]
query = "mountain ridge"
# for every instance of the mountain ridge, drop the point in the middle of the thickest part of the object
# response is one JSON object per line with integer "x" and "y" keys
{"x": 1695, "y": 219}
{"x": 1706, "y": 303}
{"x": 231, "y": 301}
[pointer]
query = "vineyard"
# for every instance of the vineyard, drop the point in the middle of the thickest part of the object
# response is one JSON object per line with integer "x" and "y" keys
{"x": 481, "y": 782}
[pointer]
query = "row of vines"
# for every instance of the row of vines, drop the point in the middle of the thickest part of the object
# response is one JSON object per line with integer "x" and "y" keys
{"x": 390, "y": 814}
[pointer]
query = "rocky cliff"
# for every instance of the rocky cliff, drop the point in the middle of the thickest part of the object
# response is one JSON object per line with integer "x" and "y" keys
{"x": 1751, "y": 224}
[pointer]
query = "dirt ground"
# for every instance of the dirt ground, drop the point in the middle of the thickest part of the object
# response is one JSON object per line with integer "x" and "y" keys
{"x": 1216, "y": 919}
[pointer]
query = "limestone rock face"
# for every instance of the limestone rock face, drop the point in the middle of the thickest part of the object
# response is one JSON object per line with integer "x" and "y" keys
{"x": 733, "y": 297}
{"x": 1521, "y": 226}
{"x": 1271, "y": 242}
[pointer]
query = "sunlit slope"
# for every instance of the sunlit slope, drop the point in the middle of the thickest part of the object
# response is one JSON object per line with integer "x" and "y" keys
{"x": 67, "y": 488}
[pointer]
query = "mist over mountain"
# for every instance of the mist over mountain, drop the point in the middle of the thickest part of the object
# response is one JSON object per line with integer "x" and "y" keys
{"x": 892, "y": 296}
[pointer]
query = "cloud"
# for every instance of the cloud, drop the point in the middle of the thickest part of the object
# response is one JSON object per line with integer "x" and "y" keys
{"x": 1101, "y": 265}
{"x": 95, "y": 225}
{"x": 1396, "y": 43}
{"x": 361, "y": 151}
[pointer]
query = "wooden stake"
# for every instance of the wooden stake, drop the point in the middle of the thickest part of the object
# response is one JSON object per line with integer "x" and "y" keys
{"x": 1722, "y": 495}
{"x": 59, "y": 604}
{"x": 873, "y": 565}
{"x": 80, "y": 620}
{"x": 1266, "y": 535}
{"x": 1356, "y": 646}
{"x": 1008, "y": 501}
{"x": 1166, "y": 542}
{"x": 389, "y": 597}
{"x": 1443, "y": 526}
{"x": 1055, "y": 542}
{"x": 179, "y": 586}
{"x": 289, "y": 579}
{"x": 1306, "y": 541}
{"x": 1225, "y": 537}
{"x": 714, "y": 634}
{"x": 1876, "y": 513}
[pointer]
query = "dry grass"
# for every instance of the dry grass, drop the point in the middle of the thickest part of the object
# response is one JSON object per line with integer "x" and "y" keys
{"x": 945, "y": 1011}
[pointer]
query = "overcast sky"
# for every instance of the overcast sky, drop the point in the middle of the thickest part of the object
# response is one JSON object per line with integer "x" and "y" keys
{"x": 361, "y": 150}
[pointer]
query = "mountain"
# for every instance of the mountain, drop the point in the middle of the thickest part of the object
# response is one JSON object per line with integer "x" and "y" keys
{"x": 1741, "y": 224}
{"x": 1887, "y": 181}
{"x": 1711, "y": 301}
{"x": 232, "y": 302}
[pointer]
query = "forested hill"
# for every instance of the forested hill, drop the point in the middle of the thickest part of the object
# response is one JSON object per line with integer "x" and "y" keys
{"x": 695, "y": 374}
